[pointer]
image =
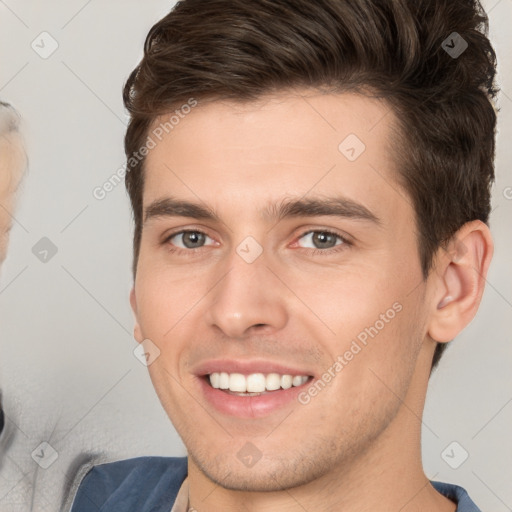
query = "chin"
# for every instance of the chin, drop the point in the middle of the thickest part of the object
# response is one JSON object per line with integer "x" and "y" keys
{"x": 265, "y": 476}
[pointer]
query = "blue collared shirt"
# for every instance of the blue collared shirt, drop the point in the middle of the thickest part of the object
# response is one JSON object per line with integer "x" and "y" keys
{"x": 151, "y": 484}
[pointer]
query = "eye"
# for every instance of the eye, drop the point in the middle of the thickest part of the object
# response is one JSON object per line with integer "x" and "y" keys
{"x": 320, "y": 240}
{"x": 189, "y": 239}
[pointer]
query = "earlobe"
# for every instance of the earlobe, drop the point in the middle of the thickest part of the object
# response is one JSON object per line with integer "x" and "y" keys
{"x": 461, "y": 271}
{"x": 137, "y": 331}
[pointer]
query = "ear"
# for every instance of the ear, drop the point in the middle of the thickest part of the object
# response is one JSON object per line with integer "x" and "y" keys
{"x": 460, "y": 274}
{"x": 137, "y": 331}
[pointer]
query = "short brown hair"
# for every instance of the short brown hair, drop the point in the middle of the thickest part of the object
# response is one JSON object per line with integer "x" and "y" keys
{"x": 398, "y": 50}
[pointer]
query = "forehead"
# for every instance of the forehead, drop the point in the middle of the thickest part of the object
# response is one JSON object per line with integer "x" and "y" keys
{"x": 322, "y": 118}
{"x": 289, "y": 144}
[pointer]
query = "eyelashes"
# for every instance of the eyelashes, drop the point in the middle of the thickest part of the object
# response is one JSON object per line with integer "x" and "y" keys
{"x": 320, "y": 236}
{"x": 197, "y": 237}
{"x": 192, "y": 241}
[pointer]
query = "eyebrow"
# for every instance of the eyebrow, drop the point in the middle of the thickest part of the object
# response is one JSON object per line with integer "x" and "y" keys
{"x": 171, "y": 207}
{"x": 315, "y": 207}
{"x": 288, "y": 208}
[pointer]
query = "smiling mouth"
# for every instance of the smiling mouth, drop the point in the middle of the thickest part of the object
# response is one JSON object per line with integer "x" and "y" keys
{"x": 254, "y": 384}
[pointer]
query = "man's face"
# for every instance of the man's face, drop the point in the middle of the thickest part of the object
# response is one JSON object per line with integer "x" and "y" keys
{"x": 307, "y": 244}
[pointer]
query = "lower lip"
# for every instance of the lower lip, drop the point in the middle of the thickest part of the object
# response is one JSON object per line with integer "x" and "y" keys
{"x": 249, "y": 406}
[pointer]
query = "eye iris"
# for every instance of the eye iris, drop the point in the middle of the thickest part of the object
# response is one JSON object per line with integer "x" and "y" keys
{"x": 323, "y": 240}
{"x": 193, "y": 239}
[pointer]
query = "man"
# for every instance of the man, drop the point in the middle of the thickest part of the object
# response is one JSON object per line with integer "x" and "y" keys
{"x": 310, "y": 187}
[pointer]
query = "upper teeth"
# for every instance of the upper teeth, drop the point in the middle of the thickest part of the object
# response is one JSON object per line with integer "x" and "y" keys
{"x": 255, "y": 382}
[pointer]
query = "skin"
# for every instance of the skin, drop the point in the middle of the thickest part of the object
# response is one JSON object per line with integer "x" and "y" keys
{"x": 11, "y": 165}
{"x": 344, "y": 450}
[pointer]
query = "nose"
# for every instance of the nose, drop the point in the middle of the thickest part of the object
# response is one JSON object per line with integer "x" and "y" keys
{"x": 247, "y": 299}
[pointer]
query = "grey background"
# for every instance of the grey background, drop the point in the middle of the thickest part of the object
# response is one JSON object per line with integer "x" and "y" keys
{"x": 67, "y": 369}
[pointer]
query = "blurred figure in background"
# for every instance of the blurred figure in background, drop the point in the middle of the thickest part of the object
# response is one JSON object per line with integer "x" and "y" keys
{"x": 12, "y": 165}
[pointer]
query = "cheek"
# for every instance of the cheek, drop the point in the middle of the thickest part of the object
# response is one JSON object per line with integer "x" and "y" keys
{"x": 166, "y": 299}
{"x": 389, "y": 344}
{"x": 374, "y": 321}
{"x": 346, "y": 299}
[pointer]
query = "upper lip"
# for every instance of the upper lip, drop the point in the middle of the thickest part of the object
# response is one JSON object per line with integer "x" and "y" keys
{"x": 247, "y": 367}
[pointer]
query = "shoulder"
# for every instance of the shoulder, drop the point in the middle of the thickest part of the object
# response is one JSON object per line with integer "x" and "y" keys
{"x": 141, "y": 484}
{"x": 458, "y": 495}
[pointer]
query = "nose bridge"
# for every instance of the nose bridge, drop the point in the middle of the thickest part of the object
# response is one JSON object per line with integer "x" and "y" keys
{"x": 247, "y": 295}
